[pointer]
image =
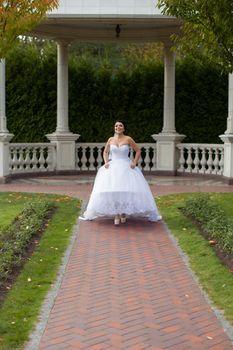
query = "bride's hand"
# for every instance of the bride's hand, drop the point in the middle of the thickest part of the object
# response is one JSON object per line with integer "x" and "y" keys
{"x": 106, "y": 165}
{"x": 132, "y": 165}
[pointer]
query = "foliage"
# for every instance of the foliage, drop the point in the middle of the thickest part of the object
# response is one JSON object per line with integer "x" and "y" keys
{"x": 207, "y": 27}
{"x": 215, "y": 278}
{"x": 18, "y": 17}
{"x": 212, "y": 219}
{"x": 15, "y": 237}
{"x": 116, "y": 54}
{"x": 101, "y": 91}
{"x": 201, "y": 101}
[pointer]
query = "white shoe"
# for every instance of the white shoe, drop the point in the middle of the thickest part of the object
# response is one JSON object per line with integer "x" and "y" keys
{"x": 117, "y": 220}
{"x": 123, "y": 219}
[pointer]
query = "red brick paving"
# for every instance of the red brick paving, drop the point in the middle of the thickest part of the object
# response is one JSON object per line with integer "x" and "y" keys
{"x": 127, "y": 287}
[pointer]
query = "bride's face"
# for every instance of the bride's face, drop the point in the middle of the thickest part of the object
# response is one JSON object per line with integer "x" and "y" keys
{"x": 119, "y": 128}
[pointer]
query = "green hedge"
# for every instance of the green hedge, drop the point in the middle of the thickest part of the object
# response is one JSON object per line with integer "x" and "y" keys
{"x": 15, "y": 238}
{"x": 212, "y": 219}
{"x": 101, "y": 92}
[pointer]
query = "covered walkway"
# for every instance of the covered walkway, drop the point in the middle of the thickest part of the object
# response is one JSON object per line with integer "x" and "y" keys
{"x": 125, "y": 287}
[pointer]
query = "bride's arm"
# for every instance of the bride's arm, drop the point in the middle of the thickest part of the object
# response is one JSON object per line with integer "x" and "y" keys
{"x": 137, "y": 150}
{"x": 106, "y": 153}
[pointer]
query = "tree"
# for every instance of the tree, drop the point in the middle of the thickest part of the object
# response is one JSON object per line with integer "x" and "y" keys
{"x": 207, "y": 27}
{"x": 18, "y": 17}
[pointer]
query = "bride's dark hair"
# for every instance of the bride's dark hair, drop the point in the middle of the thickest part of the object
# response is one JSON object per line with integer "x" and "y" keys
{"x": 120, "y": 121}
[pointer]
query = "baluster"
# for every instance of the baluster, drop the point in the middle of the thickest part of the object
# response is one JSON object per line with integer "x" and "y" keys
{"x": 210, "y": 162}
{"x": 49, "y": 159}
{"x": 21, "y": 160}
{"x": 99, "y": 156}
{"x": 76, "y": 157}
{"x": 84, "y": 159}
{"x": 203, "y": 160}
{"x": 13, "y": 158}
{"x": 189, "y": 161}
{"x": 196, "y": 160}
{"x": 34, "y": 160}
{"x": 27, "y": 159}
{"x": 41, "y": 159}
{"x": 16, "y": 159}
{"x": 181, "y": 159}
{"x": 221, "y": 162}
{"x": 147, "y": 159}
{"x": 216, "y": 162}
{"x": 154, "y": 158}
{"x": 92, "y": 159}
{"x": 141, "y": 160}
{"x": 79, "y": 156}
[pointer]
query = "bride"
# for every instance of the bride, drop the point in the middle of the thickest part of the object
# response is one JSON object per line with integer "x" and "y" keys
{"x": 120, "y": 189}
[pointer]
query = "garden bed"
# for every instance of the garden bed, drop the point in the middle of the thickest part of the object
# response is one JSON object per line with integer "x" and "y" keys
{"x": 214, "y": 275}
{"x": 32, "y": 240}
{"x": 23, "y": 300}
{"x": 214, "y": 225}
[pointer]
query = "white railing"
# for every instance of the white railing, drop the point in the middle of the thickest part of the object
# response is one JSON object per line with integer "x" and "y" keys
{"x": 89, "y": 156}
{"x": 41, "y": 157}
{"x": 201, "y": 158}
{"x": 31, "y": 157}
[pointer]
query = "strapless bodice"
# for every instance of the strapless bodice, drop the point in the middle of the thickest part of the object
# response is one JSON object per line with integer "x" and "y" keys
{"x": 119, "y": 152}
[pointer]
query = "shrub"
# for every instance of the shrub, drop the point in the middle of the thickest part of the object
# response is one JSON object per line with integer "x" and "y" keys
{"x": 101, "y": 91}
{"x": 212, "y": 219}
{"x": 15, "y": 238}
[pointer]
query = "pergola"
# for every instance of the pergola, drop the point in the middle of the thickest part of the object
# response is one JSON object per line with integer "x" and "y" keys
{"x": 115, "y": 21}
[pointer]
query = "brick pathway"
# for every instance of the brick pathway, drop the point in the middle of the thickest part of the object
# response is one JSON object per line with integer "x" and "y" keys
{"x": 127, "y": 287}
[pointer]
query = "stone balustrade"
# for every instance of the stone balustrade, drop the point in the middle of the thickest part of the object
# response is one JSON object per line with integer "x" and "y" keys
{"x": 41, "y": 157}
{"x": 89, "y": 156}
{"x": 31, "y": 157}
{"x": 201, "y": 158}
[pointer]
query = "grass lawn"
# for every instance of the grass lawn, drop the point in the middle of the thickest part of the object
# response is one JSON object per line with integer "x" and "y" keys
{"x": 21, "y": 307}
{"x": 216, "y": 279}
{"x": 10, "y": 205}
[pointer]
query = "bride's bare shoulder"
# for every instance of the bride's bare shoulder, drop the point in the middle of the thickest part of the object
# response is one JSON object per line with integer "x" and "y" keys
{"x": 110, "y": 139}
{"x": 108, "y": 142}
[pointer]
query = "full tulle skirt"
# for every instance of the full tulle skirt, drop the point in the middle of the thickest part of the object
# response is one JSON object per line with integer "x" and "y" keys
{"x": 119, "y": 189}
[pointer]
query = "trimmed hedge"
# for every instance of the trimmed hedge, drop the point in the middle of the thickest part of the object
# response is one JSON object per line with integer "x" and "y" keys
{"x": 101, "y": 91}
{"x": 15, "y": 237}
{"x": 212, "y": 219}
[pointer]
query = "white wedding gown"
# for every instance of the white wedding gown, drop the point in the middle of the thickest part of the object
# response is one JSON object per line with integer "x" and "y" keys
{"x": 119, "y": 189}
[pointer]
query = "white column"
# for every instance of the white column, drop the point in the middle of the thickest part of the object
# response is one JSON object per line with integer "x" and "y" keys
{"x": 227, "y": 137}
{"x": 230, "y": 106}
{"x": 62, "y": 88}
{"x": 169, "y": 92}
{"x": 62, "y": 137}
{"x": 167, "y": 153}
{"x": 3, "y": 128}
{"x": 5, "y": 136}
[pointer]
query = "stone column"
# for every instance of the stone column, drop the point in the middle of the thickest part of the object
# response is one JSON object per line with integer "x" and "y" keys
{"x": 169, "y": 92}
{"x": 167, "y": 155}
{"x": 3, "y": 128}
{"x": 227, "y": 137}
{"x": 62, "y": 137}
{"x": 5, "y": 136}
{"x": 62, "y": 88}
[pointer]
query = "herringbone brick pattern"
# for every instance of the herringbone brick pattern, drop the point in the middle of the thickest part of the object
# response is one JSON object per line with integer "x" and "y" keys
{"x": 128, "y": 288}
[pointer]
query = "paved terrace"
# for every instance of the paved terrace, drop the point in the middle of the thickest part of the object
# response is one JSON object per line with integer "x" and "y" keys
{"x": 126, "y": 287}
